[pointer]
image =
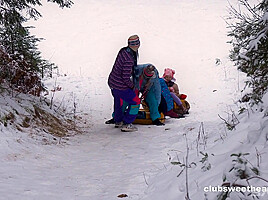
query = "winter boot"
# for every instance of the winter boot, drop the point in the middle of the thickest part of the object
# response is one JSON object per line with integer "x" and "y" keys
{"x": 129, "y": 128}
{"x": 172, "y": 114}
{"x": 119, "y": 124}
{"x": 158, "y": 123}
{"x": 110, "y": 121}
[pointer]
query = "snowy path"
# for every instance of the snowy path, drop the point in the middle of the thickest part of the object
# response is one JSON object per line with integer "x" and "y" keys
{"x": 107, "y": 161}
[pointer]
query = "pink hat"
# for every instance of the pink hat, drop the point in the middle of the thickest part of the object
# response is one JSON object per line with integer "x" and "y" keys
{"x": 169, "y": 72}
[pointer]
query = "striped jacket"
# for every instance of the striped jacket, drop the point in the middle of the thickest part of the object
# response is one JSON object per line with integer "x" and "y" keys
{"x": 119, "y": 77}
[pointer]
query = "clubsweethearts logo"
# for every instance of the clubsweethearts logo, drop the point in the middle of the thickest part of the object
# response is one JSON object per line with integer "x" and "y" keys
{"x": 257, "y": 191}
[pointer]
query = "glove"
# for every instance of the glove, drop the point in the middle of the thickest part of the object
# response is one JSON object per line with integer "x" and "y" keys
{"x": 171, "y": 89}
{"x": 183, "y": 96}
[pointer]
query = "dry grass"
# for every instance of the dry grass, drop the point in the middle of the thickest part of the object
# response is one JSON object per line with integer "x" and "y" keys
{"x": 52, "y": 124}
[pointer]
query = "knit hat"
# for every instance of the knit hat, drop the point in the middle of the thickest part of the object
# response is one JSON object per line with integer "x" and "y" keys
{"x": 133, "y": 40}
{"x": 148, "y": 71}
{"x": 169, "y": 72}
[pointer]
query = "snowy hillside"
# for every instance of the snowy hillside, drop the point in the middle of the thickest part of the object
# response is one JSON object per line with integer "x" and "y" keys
{"x": 98, "y": 162}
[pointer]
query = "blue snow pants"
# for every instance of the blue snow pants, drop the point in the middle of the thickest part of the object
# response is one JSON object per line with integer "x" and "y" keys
{"x": 133, "y": 101}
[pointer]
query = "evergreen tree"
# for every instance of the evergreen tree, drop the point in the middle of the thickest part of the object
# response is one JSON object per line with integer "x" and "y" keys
{"x": 18, "y": 50}
{"x": 249, "y": 32}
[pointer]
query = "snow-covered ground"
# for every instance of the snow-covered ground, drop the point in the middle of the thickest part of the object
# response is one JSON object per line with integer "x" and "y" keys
{"x": 189, "y": 36}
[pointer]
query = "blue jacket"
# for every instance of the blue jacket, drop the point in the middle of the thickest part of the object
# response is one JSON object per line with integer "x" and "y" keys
{"x": 154, "y": 86}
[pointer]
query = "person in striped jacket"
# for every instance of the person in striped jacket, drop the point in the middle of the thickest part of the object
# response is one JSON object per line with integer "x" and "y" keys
{"x": 122, "y": 86}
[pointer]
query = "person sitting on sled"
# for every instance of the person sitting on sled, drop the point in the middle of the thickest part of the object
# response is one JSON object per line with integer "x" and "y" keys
{"x": 168, "y": 76}
{"x": 122, "y": 87}
{"x": 146, "y": 80}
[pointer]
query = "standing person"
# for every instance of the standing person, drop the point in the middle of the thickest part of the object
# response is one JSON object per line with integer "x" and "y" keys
{"x": 122, "y": 87}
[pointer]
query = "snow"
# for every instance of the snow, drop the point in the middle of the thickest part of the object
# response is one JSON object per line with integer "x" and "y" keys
{"x": 103, "y": 162}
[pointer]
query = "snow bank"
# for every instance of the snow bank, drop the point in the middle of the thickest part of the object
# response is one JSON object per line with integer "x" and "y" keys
{"x": 214, "y": 167}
